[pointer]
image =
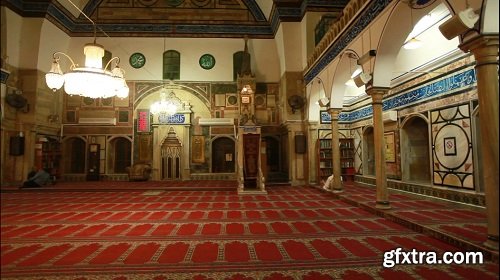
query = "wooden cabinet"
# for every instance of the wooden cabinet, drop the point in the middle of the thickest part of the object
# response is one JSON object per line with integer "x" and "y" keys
{"x": 325, "y": 159}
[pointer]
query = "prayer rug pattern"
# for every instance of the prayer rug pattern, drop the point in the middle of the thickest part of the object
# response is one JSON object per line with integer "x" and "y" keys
{"x": 291, "y": 233}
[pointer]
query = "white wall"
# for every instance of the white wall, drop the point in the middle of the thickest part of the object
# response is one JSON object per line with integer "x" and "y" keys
{"x": 37, "y": 39}
{"x": 289, "y": 44}
{"x": 265, "y": 66}
{"x": 52, "y": 39}
{"x": 12, "y": 35}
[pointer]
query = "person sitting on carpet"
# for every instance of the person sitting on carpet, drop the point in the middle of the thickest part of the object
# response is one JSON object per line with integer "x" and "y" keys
{"x": 32, "y": 172}
{"x": 329, "y": 180}
{"x": 40, "y": 179}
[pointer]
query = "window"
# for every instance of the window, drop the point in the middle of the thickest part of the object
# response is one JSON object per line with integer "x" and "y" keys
{"x": 171, "y": 65}
{"x": 237, "y": 57}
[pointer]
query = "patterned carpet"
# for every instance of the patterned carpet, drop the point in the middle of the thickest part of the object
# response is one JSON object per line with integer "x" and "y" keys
{"x": 291, "y": 233}
{"x": 461, "y": 225}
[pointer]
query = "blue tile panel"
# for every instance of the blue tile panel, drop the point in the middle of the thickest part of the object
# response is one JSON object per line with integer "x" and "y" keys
{"x": 443, "y": 87}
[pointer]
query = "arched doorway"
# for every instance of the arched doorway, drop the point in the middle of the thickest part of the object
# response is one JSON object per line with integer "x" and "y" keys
{"x": 415, "y": 150}
{"x": 272, "y": 154}
{"x": 368, "y": 152}
{"x": 74, "y": 155}
{"x": 171, "y": 151}
{"x": 119, "y": 155}
{"x": 223, "y": 155}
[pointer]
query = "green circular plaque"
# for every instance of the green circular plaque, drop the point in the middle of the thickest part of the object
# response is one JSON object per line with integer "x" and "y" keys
{"x": 207, "y": 61}
{"x": 137, "y": 60}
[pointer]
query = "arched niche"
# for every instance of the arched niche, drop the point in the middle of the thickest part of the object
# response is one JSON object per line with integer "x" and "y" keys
{"x": 368, "y": 152}
{"x": 119, "y": 154}
{"x": 74, "y": 151}
{"x": 223, "y": 155}
{"x": 415, "y": 155}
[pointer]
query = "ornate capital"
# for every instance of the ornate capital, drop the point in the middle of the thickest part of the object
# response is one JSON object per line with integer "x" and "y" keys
{"x": 377, "y": 94}
{"x": 484, "y": 48}
{"x": 479, "y": 42}
{"x": 334, "y": 113}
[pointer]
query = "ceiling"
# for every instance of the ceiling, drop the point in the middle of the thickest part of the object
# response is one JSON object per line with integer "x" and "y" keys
{"x": 174, "y": 18}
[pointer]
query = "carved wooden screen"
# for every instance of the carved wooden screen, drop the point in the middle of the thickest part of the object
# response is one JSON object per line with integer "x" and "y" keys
{"x": 171, "y": 159}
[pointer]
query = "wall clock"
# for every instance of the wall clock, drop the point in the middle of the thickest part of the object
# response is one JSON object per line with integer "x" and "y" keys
{"x": 137, "y": 60}
{"x": 207, "y": 61}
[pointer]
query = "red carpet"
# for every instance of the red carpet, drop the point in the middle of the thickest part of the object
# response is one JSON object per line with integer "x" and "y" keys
{"x": 292, "y": 233}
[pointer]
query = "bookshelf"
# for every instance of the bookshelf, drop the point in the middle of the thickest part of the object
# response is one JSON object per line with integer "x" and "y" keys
{"x": 325, "y": 164}
{"x": 347, "y": 159}
{"x": 48, "y": 155}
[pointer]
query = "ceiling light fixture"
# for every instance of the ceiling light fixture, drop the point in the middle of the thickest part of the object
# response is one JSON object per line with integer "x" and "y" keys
{"x": 93, "y": 80}
{"x": 168, "y": 104}
{"x": 413, "y": 43}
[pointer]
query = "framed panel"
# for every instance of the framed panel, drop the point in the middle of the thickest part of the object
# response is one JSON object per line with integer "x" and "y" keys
{"x": 231, "y": 100}
{"x": 390, "y": 147}
{"x": 198, "y": 146}
{"x": 145, "y": 147}
{"x": 450, "y": 146}
{"x": 70, "y": 117}
{"x": 260, "y": 101}
{"x": 122, "y": 116}
{"x": 87, "y": 101}
{"x": 106, "y": 102}
{"x": 271, "y": 100}
{"x": 220, "y": 100}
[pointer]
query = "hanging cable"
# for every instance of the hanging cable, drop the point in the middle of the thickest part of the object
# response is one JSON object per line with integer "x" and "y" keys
{"x": 103, "y": 32}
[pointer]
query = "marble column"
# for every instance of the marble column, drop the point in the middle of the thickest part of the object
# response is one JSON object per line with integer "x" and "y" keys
{"x": 377, "y": 95}
{"x": 336, "y": 183}
{"x": 485, "y": 50}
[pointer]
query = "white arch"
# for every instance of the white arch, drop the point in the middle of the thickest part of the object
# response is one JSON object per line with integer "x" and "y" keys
{"x": 411, "y": 116}
{"x": 187, "y": 95}
{"x": 393, "y": 35}
{"x": 314, "y": 91}
{"x": 342, "y": 74}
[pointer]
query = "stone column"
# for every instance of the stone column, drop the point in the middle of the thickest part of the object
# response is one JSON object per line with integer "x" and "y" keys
{"x": 377, "y": 95}
{"x": 336, "y": 183}
{"x": 485, "y": 50}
